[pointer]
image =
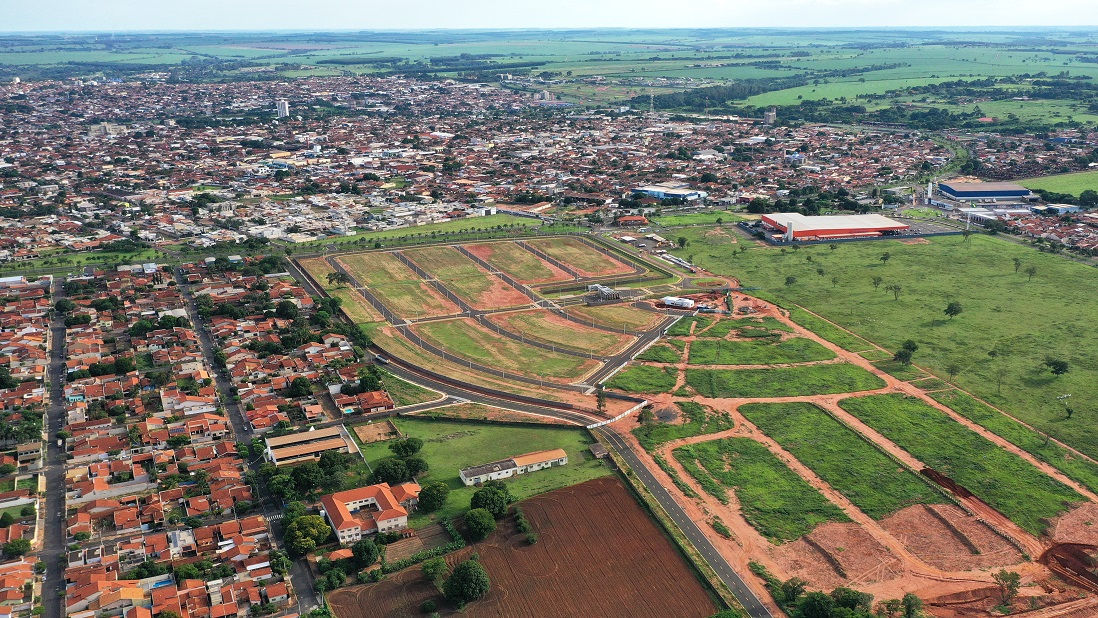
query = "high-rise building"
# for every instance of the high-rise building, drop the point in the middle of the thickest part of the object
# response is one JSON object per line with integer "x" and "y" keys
{"x": 770, "y": 116}
{"x": 282, "y": 107}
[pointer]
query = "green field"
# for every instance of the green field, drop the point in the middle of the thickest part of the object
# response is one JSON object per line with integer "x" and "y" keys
{"x": 1023, "y": 321}
{"x": 512, "y": 259}
{"x": 1065, "y": 183}
{"x": 748, "y": 327}
{"x": 396, "y": 285}
{"x": 471, "y": 225}
{"x": 450, "y": 446}
{"x": 697, "y": 420}
{"x": 354, "y": 306}
{"x": 465, "y": 338}
{"x": 465, "y": 278}
{"x": 775, "y": 500}
{"x": 545, "y": 327}
{"x": 643, "y": 379}
{"x": 757, "y": 352}
{"x": 687, "y": 325}
{"x": 1006, "y": 482}
{"x": 782, "y": 382}
{"x": 405, "y": 393}
{"x": 661, "y": 353}
{"x": 580, "y": 257}
{"x": 869, "y": 478}
{"x": 698, "y": 218}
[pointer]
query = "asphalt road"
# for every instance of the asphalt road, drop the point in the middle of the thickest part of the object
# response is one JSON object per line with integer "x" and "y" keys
{"x": 53, "y": 541}
{"x": 725, "y": 572}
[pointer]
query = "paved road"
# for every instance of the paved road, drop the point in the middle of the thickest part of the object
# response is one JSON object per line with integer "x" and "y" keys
{"x": 300, "y": 575}
{"x": 53, "y": 544}
{"x": 728, "y": 575}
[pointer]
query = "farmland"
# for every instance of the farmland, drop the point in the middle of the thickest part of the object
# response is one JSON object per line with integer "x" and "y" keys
{"x": 757, "y": 352}
{"x": 541, "y": 325}
{"x": 782, "y": 382}
{"x": 1022, "y": 320}
{"x": 465, "y": 278}
{"x": 512, "y": 259}
{"x": 465, "y": 338}
{"x": 597, "y": 522}
{"x": 579, "y": 257}
{"x": 1006, "y": 482}
{"x": 870, "y": 479}
{"x": 773, "y": 499}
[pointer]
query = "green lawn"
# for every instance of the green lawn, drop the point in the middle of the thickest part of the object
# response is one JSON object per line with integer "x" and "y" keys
{"x": 757, "y": 352}
{"x": 775, "y": 500}
{"x": 870, "y": 479}
{"x": 1054, "y": 314}
{"x": 782, "y": 382}
{"x": 449, "y": 446}
{"x": 697, "y": 420}
{"x": 1065, "y": 183}
{"x": 643, "y": 379}
{"x": 1006, "y": 482}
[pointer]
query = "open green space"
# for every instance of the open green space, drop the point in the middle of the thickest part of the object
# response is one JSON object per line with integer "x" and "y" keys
{"x": 900, "y": 370}
{"x": 1005, "y": 481}
{"x": 469, "y": 227}
{"x": 1075, "y": 467}
{"x": 869, "y": 478}
{"x": 462, "y": 276}
{"x": 775, "y": 500}
{"x": 465, "y": 338}
{"x": 699, "y": 218}
{"x": 757, "y": 352}
{"x": 1022, "y": 321}
{"x": 748, "y": 327}
{"x": 449, "y": 446}
{"x": 661, "y": 353}
{"x": 396, "y": 285}
{"x": 545, "y": 327}
{"x": 686, "y": 325}
{"x": 782, "y": 382}
{"x": 696, "y": 420}
{"x": 405, "y": 393}
{"x": 644, "y": 379}
{"x": 1065, "y": 183}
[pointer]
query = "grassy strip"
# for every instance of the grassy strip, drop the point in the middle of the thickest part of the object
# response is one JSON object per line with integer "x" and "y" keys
{"x": 1005, "y": 481}
{"x": 644, "y": 379}
{"x": 757, "y": 352}
{"x": 686, "y": 490}
{"x": 405, "y": 393}
{"x": 901, "y": 371}
{"x": 868, "y": 477}
{"x": 700, "y": 420}
{"x": 1081, "y": 470}
{"x": 776, "y": 501}
{"x": 782, "y": 382}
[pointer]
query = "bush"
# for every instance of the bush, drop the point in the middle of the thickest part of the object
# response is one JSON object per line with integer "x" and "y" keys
{"x": 521, "y": 523}
{"x": 480, "y": 524}
{"x": 532, "y": 538}
{"x": 428, "y": 606}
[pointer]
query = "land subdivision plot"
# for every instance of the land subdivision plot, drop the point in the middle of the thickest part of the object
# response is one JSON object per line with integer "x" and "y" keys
{"x": 465, "y": 338}
{"x": 617, "y": 317}
{"x": 487, "y": 413}
{"x": 759, "y": 351}
{"x": 377, "y": 432}
{"x": 547, "y": 327}
{"x": 354, "y": 306}
{"x": 396, "y": 286}
{"x": 581, "y": 257}
{"x": 523, "y": 266}
{"x": 462, "y": 276}
{"x": 638, "y": 572}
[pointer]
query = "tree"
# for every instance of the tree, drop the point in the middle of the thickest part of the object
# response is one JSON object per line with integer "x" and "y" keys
{"x": 1057, "y": 366}
{"x": 834, "y": 281}
{"x": 1030, "y": 271}
{"x": 406, "y": 447}
{"x": 468, "y": 582}
{"x": 416, "y": 466}
{"x": 953, "y": 368}
{"x": 391, "y": 471}
{"x": 682, "y": 242}
{"x": 338, "y": 278}
{"x": 307, "y": 477}
{"x": 790, "y": 280}
{"x": 913, "y": 606}
{"x": 902, "y": 356}
{"x": 433, "y": 496}
{"x": 965, "y": 234}
{"x": 16, "y": 547}
{"x": 910, "y": 345}
{"x": 480, "y": 524}
{"x": 434, "y": 569}
{"x": 877, "y": 281}
{"x": 6, "y": 520}
{"x": 299, "y": 387}
{"x": 305, "y": 533}
{"x": 365, "y": 552}
{"x": 490, "y": 499}
{"x": 896, "y": 289}
{"x": 1017, "y": 264}
{"x": 953, "y": 309}
{"x": 287, "y": 310}
{"x": 885, "y": 257}
{"x": 1008, "y": 582}
{"x": 852, "y": 599}
{"x": 815, "y": 605}
{"x": 64, "y": 305}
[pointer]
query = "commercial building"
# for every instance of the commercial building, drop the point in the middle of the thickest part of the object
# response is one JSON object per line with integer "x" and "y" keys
{"x": 282, "y": 108}
{"x": 366, "y": 510}
{"x": 308, "y": 445}
{"x": 795, "y": 226}
{"x": 668, "y": 191}
{"x": 983, "y": 190}
{"x": 506, "y": 468}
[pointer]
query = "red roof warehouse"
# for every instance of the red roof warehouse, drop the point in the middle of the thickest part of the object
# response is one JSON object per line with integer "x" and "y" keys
{"x": 837, "y": 226}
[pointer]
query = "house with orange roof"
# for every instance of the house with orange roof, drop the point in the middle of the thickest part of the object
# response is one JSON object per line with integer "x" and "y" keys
{"x": 366, "y": 510}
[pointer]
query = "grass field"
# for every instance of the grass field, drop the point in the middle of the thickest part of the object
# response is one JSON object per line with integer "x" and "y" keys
{"x": 643, "y": 379}
{"x": 748, "y": 327}
{"x": 405, "y": 393}
{"x": 869, "y": 478}
{"x": 661, "y": 353}
{"x": 684, "y": 326}
{"x": 518, "y": 262}
{"x": 1023, "y": 320}
{"x": 465, "y": 338}
{"x": 776, "y": 501}
{"x": 1064, "y": 183}
{"x": 354, "y": 306}
{"x": 782, "y": 382}
{"x": 465, "y": 278}
{"x": 397, "y": 286}
{"x": 580, "y": 257}
{"x": 757, "y": 352}
{"x": 698, "y": 218}
{"x": 450, "y": 446}
{"x": 541, "y": 325}
{"x": 423, "y": 232}
{"x": 626, "y": 317}
{"x": 697, "y": 420}
{"x": 1006, "y": 482}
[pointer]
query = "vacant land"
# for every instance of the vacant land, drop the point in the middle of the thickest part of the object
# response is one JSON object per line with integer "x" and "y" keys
{"x": 1022, "y": 320}
{"x": 405, "y": 393}
{"x": 617, "y": 317}
{"x": 422, "y": 233}
{"x": 661, "y": 353}
{"x": 467, "y": 339}
{"x": 698, "y": 218}
{"x": 757, "y": 352}
{"x": 547, "y": 327}
{"x": 396, "y": 286}
{"x": 1065, "y": 183}
{"x": 1006, "y": 482}
{"x": 465, "y": 278}
{"x": 865, "y": 475}
{"x": 644, "y": 379}
{"x": 698, "y": 420}
{"x": 354, "y": 305}
{"x": 512, "y": 259}
{"x": 779, "y": 504}
{"x": 748, "y": 327}
{"x": 688, "y": 325}
{"x": 597, "y": 523}
{"x": 451, "y": 445}
{"x": 782, "y": 382}
{"x": 580, "y": 257}
{"x": 481, "y": 412}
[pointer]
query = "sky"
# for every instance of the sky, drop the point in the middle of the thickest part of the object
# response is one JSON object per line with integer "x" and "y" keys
{"x": 122, "y": 15}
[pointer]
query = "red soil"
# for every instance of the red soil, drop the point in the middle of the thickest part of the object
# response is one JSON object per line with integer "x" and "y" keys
{"x": 487, "y": 250}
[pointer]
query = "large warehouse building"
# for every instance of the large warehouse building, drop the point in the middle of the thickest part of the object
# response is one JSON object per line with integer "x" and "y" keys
{"x": 793, "y": 225}
{"x": 983, "y": 190}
